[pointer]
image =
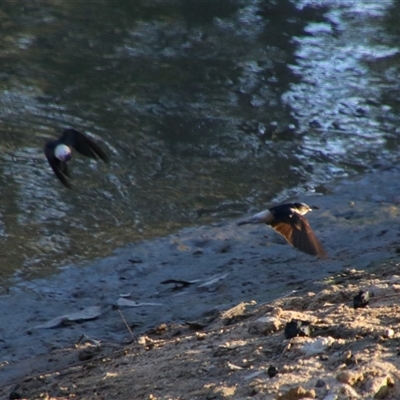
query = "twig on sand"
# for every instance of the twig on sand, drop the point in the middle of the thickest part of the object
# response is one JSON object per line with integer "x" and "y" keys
{"x": 126, "y": 324}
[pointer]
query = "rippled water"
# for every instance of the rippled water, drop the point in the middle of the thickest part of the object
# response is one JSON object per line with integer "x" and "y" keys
{"x": 206, "y": 109}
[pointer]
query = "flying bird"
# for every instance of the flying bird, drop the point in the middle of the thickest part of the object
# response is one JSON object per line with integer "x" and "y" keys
{"x": 289, "y": 221}
{"x": 59, "y": 152}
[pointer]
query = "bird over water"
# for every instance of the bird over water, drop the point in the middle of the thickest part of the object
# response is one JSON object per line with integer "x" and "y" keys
{"x": 289, "y": 221}
{"x": 59, "y": 152}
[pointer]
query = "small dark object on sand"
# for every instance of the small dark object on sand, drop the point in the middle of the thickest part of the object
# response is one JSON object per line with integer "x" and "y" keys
{"x": 297, "y": 327}
{"x": 362, "y": 299}
{"x": 272, "y": 371}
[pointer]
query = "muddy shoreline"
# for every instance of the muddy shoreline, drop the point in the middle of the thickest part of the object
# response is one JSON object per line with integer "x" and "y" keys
{"x": 356, "y": 222}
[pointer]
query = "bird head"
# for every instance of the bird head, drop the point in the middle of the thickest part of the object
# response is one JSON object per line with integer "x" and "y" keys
{"x": 63, "y": 152}
{"x": 302, "y": 208}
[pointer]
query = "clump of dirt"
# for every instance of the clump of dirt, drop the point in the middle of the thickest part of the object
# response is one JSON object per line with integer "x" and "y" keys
{"x": 243, "y": 352}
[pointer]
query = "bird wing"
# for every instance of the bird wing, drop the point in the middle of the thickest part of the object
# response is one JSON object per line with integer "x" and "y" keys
{"x": 297, "y": 231}
{"x": 59, "y": 168}
{"x": 83, "y": 144}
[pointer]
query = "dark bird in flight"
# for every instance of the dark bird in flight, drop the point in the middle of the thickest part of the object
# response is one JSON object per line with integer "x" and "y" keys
{"x": 290, "y": 222}
{"x": 59, "y": 152}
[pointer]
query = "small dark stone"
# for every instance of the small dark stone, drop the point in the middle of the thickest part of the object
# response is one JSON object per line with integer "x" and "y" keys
{"x": 14, "y": 396}
{"x": 272, "y": 371}
{"x": 315, "y": 124}
{"x": 320, "y": 383}
{"x": 224, "y": 248}
{"x": 297, "y": 327}
{"x": 85, "y": 355}
{"x": 135, "y": 260}
{"x": 362, "y": 299}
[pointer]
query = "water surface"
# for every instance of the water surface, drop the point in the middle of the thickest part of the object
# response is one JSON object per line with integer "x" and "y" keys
{"x": 207, "y": 109}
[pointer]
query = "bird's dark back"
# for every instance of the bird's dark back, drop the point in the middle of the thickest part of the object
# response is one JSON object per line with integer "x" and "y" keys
{"x": 282, "y": 211}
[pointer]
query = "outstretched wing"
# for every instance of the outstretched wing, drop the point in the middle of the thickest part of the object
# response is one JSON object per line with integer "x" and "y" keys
{"x": 297, "y": 231}
{"x": 83, "y": 144}
{"x": 59, "y": 168}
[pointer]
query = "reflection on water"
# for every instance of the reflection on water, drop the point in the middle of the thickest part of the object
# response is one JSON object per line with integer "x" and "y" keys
{"x": 206, "y": 109}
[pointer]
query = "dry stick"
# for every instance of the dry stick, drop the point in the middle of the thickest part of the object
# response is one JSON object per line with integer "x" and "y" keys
{"x": 387, "y": 296}
{"x": 126, "y": 324}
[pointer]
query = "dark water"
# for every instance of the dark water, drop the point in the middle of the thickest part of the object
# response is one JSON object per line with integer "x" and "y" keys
{"x": 206, "y": 108}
